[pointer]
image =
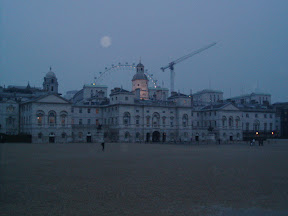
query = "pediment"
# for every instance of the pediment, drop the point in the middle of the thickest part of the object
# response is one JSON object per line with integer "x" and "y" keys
{"x": 230, "y": 107}
{"x": 52, "y": 99}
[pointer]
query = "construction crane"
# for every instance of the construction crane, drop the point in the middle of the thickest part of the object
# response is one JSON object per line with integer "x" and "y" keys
{"x": 171, "y": 64}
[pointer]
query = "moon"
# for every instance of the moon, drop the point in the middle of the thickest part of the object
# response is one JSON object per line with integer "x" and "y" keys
{"x": 105, "y": 41}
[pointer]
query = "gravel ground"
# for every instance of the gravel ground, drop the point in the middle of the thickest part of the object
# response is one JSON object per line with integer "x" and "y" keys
{"x": 143, "y": 179}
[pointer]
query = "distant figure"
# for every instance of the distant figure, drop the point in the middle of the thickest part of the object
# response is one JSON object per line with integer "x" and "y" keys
{"x": 103, "y": 146}
{"x": 219, "y": 141}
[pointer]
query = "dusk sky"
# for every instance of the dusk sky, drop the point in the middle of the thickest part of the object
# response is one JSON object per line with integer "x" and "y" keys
{"x": 251, "y": 49}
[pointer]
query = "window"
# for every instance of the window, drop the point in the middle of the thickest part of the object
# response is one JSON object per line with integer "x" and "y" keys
{"x": 147, "y": 111}
{"x": 88, "y": 110}
{"x": 256, "y": 115}
{"x": 185, "y": 120}
{"x": 163, "y": 121}
{"x": 126, "y": 98}
{"x": 40, "y": 135}
{"x": 63, "y": 117}
{"x": 97, "y": 111}
{"x": 256, "y": 125}
{"x": 148, "y": 121}
{"x": 172, "y": 121}
{"x": 247, "y": 126}
{"x": 230, "y": 121}
{"x": 237, "y": 121}
{"x": 80, "y": 110}
{"x": 52, "y": 118}
{"x": 265, "y": 126}
{"x": 72, "y": 110}
{"x": 40, "y": 118}
{"x": 224, "y": 121}
{"x": 137, "y": 120}
{"x": 271, "y": 124}
{"x": 270, "y": 115}
{"x": 247, "y": 115}
{"x": 63, "y": 135}
{"x": 126, "y": 118}
{"x": 80, "y": 122}
{"x": 88, "y": 121}
{"x": 156, "y": 120}
{"x": 137, "y": 111}
{"x": 265, "y": 115}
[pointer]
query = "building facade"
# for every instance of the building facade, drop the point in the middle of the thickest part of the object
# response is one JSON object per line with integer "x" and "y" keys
{"x": 141, "y": 115}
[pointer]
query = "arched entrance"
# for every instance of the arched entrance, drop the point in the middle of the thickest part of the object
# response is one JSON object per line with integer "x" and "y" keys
{"x": 88, "y": 138}
{"x": 51, "y": 137}
{"x": 156, "y": 136}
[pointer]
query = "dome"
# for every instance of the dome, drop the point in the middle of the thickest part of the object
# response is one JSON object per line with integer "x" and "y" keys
{"x": 50, "y": 74}
{"x": 140, "y": 65}
{"x": 139, "y": 76}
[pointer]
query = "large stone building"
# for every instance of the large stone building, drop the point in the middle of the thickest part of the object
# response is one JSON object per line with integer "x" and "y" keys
{"x": 142, "y": 114}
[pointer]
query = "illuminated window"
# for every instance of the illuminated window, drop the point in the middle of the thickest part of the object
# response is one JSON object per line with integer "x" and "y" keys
{"x": 52, "y": 118}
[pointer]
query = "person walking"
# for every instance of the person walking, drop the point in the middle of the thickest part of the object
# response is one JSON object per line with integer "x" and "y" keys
{"x": 103, "y": 146}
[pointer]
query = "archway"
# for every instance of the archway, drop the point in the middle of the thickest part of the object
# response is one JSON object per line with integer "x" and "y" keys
{"x": 51, "y": 137}
{"x": 156, "y": 136}
{"x": 88, "y": 138}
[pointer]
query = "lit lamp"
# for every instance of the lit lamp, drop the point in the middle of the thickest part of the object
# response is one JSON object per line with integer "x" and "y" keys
{"x": 257, "y": 133}
{"x": 272, "y": 133}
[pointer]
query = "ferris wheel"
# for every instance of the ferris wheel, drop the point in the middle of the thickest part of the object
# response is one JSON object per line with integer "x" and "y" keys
{"x": 101, "y": 77}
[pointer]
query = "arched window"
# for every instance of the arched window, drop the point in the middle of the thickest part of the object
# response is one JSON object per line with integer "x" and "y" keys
{"x": 230, "y": 121}
{"x": 137, "y": 135}
{"x": 63, "y": 116}
{"x": 237, "y": 121}
{"x": 63, "y": 135}
{"x": 52, "y": 118}
{"x": 126, "y": 118}
{"x": 156, "y": 120}
{"x": 163, "y": 121}
{"x": 148, "y": 121}
{"x": 39, "y": 116}
{"x": 256, "y": 125}
{"x": 185, "y": 120}
{"x": 224, "y": 121}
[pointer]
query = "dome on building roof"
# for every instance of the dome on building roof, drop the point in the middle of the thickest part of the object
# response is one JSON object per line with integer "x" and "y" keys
{"x": 140, "y": 65}
{"x": 50, "y": 74}
{"x": 139, "y": 76}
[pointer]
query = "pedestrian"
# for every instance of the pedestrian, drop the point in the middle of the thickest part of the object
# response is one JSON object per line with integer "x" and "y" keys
{"x": 103, "y": 146}
{"x": 219, "y": 141}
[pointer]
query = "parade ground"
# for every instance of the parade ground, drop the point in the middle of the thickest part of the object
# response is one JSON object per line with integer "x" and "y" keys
{"x": 144, "y": 179}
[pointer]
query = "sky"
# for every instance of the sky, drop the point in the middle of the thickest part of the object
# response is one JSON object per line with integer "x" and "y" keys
{"x": 250, "y": 54}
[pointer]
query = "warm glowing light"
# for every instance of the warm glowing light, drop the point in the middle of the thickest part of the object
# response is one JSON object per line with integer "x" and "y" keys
{"x": 272, "y": 132}
{"x": 257, "y": 133}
